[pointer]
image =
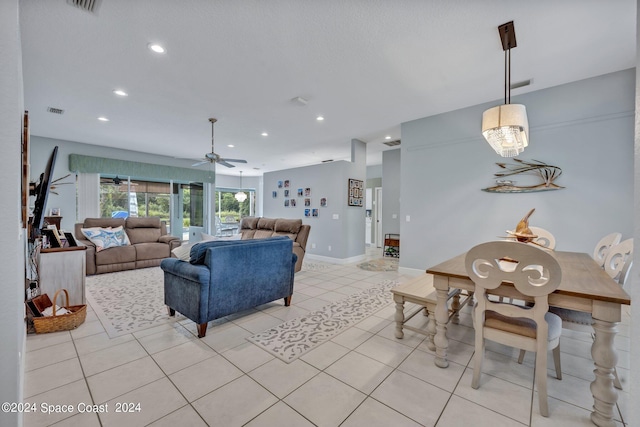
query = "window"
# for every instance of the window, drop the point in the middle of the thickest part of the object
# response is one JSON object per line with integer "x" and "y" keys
{"x": 121, "y": 198}
{"x": 228, "y": 209}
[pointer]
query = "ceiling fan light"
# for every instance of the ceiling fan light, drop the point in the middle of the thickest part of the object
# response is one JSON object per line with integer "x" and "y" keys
{"x": 506, "y": 129}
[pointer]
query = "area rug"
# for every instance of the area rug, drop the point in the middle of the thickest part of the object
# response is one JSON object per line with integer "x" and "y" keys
{"x": 382, "y": 264}
{"x": 296, "y": 337}
{"x": 129, "y": 301}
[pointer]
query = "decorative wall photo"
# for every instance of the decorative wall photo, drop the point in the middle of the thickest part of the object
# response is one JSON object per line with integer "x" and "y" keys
{"x": 307, "y": 212}
{"x": 315, "y": 212}
{"x": 293, "y": 203}
{"x": 307, "y": 192}
{"x": 279, "y": 184}
{"x": 274, "y": 194}
{"x": 356, "y": 192}
{"x": 307, "y": 202}
{"x": 286, "y": 203}
{"x": 286, "y": 193}
{"x": 54, "y": 212}
{"x": 299, "y": 192}
{"x": 286, "y": 183}
{"x": 323, "y": 202}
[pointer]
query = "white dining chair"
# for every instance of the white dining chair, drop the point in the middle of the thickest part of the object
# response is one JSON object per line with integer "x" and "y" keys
{"x": 617, "y": 264}
{"x": 535, "y": 273}
{"x": 602, "y": 247}
{"x": 544, "y": 239}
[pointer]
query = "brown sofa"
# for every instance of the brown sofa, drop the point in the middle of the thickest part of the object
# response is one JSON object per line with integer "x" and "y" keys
{"x": 261, "y": 228}
{"x": 150, "y": 244}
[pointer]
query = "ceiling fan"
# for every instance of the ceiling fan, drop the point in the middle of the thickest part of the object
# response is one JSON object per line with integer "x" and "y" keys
{"x": 212, "y": 157}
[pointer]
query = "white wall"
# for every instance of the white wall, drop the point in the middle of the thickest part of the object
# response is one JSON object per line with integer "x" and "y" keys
{"x": 12, "y": 330}
{"x": 391, "y": 179}
{"x": 584, "y": 127}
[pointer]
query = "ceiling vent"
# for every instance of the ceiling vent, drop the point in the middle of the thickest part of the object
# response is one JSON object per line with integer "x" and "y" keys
{"x": 90, "y": 6}
{"x": 392, "y": 143}
{"x": 55, "y": 110}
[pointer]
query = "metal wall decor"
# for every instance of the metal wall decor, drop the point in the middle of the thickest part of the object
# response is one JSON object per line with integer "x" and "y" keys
{"x": 356, "y": 192}
{"x": 547, "y": 173}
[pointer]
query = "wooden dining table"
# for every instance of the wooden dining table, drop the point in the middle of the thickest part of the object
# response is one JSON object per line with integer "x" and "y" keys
{"x": 585, "y": 287}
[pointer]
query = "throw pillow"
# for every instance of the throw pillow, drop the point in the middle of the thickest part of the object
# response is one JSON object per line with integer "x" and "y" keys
{"x": 183, "y": 252}
{"x": 105, "y": 238}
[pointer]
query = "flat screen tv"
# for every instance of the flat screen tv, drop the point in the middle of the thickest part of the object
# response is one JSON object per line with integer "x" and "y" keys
{"x": 41, "y": 191}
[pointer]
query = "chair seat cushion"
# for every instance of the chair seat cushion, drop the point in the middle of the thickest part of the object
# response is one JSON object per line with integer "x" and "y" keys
{"x": 572, "y": 316}
{"x": 523, "y": 326}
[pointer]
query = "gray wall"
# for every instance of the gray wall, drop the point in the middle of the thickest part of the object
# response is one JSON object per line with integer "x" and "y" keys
{"x": 584, "y": 127}
{"x": 12, "y": 241}
{"x": 345, "y": 234}
{"x": 391, "y": 194}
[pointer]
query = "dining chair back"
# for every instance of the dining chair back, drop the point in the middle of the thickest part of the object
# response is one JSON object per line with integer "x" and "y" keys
{"x": 619, "y": 261}
{"x": 535, "y": 273}
{"x": 545, "y": 238}
{"x": 602, "y": 247}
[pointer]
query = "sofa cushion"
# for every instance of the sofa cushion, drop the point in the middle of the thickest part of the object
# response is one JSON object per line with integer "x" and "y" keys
{"x": 288, "y": 226}
{"x": 152, "y": 250}
{"x": 249, "y": 223}
{"x": 143, "y": 235}
{"x": 104, "y": 238}
{"x": 262, "y": 234}
{"x": 143, "y": 222}
{"x": 266, "y": 224}
{"x": 120, "y": 255}
{"x": 103, "y": 222}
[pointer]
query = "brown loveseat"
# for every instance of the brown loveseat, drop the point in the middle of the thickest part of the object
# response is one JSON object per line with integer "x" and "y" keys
{"x": 149, "y": 240}
{"x": 261, "y": 228}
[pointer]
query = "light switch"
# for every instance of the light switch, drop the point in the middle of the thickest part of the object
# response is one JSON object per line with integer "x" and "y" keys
{"x": 408, "y": 218}
{"x": 336, "y": 216}
{"x": 394, "y": 216}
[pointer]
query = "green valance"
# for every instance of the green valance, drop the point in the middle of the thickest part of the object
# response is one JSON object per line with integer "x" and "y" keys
{"x": 138, "y": 170}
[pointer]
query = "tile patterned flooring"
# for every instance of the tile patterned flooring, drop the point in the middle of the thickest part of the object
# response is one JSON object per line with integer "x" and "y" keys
{"x": 362, "y": 377}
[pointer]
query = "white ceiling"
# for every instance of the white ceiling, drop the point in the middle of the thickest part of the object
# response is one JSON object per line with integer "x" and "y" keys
{"x": 366, "y": 65}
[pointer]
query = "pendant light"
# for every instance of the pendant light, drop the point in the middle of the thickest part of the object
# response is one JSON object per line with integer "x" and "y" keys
{"x": 241, "y": 196}
{"x": 506, "y": 127}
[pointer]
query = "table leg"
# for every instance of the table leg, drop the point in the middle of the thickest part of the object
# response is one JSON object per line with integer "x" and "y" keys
{"x": 605, "y": 359}
{"x": 399, "y": 316}
{"x": 442, "y": 318}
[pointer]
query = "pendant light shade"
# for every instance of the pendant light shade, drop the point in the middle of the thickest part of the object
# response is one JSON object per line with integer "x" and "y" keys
{"x": 240, "y": 196}
{"x": 506, "y": 129}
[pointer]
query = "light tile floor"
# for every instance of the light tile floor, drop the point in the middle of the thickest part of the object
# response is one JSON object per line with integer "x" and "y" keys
{"x": 365, "y": 376}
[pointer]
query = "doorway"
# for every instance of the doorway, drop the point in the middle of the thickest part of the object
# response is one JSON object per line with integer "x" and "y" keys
{"x": 377, "y": 220}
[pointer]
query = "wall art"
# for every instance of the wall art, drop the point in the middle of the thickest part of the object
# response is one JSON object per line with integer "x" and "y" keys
{"x": 546, "y": 173}
{"x": 356, "y": 192}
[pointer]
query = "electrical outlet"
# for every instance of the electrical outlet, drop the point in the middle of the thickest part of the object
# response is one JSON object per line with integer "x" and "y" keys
{"x": 313, "y": 246}
{"x": 394, "y": 216}
{"x": 408, "y": 218}
{"x": 329, "y": 248}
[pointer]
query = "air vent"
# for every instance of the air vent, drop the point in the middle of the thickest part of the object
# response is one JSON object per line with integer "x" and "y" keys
{"x": 523, "y": 83}
{"x": 55, "y": 110}
{"x": 327, "y": 161}
{"x": 392, "y": 143}
{"x": 90, "y": 6}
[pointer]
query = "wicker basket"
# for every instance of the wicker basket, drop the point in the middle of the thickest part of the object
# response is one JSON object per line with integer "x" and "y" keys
{"x": 61, "y": 322}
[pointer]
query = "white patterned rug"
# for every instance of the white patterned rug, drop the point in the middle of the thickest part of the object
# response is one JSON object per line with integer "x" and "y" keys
{"x": 295, "y": 337}
{"x": 129, "y": 301}
{"x": 381, "y": 264}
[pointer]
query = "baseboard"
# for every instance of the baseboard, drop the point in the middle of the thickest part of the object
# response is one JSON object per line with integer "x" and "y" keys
{"x": 335, "y": 260}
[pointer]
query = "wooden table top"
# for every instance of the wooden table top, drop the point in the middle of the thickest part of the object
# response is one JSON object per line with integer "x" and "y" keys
{"x": 581, "y": 277}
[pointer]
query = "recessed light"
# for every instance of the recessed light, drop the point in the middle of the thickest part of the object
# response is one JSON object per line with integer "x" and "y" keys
{"x": 264, "y": 134}
{"x": 120, "y": 92}
{"x": 387, "y": 137}
{"x": 230, "y": 145}
{"x": 103, "y": 119}
{"x": 319, "y": 118}
{"x": 156, "y": 48}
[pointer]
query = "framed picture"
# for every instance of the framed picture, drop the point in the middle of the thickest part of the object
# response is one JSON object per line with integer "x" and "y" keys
{"x": 314, "y": 212}
{"x": 323, "y": 202}
{"x": 307, "y": 202}
{"x": 307, "y": 212}
{"x": 286, "y": 183}
{"x": 293, "y": 203}
{"x": 286, "y": 193}
{"x": 299, "y": 192}
{"x": 279, "y": 184}
{"x": 286, "y": 203}
{"x": 307, "y": 192}
{"x": 355, "y": 192}
{"x": 54, "y": 212}
{"x": 274, "y": 194}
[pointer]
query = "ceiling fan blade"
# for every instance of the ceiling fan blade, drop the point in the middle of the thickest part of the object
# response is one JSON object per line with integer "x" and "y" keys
{"x": 234, "y": 160}
{"x": 224, "y": 163}
{"x": 203, "y": 162}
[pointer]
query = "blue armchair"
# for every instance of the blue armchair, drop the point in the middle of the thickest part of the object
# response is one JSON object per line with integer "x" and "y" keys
{"x": 225, "y": 277}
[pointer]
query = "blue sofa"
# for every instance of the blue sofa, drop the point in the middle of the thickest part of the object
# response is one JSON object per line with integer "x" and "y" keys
{"x": 225, "y": 277}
